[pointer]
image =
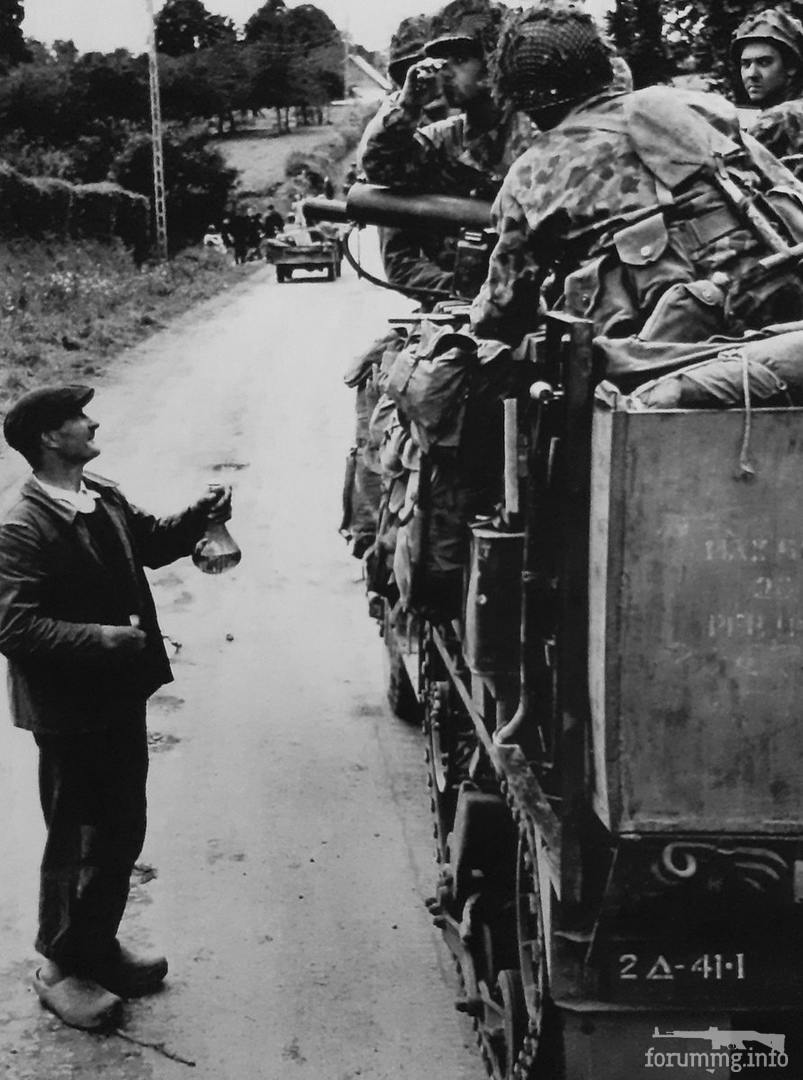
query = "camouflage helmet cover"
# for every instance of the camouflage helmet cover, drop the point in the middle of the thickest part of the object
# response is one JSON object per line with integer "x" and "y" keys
{"x": 774, "y": 25}
{"x": 407, "y": 45}
{"x": 550, "y": 55}
{"x": 466, "y": 25}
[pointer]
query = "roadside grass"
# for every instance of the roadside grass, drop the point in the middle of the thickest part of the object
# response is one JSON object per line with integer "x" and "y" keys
{"x": 67, "y": 308}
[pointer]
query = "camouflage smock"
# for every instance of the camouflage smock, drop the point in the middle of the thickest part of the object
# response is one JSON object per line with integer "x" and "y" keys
{"x": 780, "y": 129}
{"x": 586, "y": 172}
{"x": 446, "y": 157}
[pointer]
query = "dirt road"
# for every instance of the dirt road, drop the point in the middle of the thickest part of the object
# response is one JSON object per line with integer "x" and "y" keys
{"x": 289, "y": 848}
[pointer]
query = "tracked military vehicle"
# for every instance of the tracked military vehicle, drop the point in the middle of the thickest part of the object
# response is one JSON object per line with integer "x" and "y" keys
{"x": 611, "y": 718}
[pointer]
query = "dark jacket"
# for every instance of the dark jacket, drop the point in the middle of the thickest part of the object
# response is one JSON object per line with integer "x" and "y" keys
{"x": 56, "y": 592}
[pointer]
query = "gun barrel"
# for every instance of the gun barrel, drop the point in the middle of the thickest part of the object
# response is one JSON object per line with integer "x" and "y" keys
{"x": 320, "y": 209}
{"x": 368, "y": 204}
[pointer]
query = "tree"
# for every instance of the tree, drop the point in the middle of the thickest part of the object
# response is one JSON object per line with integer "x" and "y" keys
{"x": 13, "y": 50}
{"x": 35, "y": 99}
{"x": 270, "y": 79}
{"x": 210, "y": 83}
{"x": 65, "y": 52}
{"x": 183, "y": 26}
{"x": 112, "y": 85}
{"x": 296, "y": 57}
{"x": 309, "y": 28}
{"x": 637, "y": 29}
{"x": 266, "y": 24}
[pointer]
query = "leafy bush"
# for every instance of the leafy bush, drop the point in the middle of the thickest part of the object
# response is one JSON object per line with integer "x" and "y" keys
{"x": 197, "y": 180}
{"x": 49, "y": 207}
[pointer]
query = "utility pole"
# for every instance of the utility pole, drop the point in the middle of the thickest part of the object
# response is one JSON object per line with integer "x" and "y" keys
{"x": 346, "y": 59}
{"x": 160, "y": 209}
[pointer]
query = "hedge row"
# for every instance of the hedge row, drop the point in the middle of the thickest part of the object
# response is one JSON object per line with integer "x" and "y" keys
{"x": 45, "y": 206}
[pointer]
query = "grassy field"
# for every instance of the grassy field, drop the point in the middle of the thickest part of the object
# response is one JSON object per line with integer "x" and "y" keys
{"x": 261, "y": 155}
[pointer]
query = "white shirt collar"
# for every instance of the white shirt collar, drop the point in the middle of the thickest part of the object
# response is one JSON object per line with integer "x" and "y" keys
{"x": 83, "y": 500}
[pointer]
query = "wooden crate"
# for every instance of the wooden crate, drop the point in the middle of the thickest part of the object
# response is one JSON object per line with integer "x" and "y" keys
{"x": 696, "y": 621}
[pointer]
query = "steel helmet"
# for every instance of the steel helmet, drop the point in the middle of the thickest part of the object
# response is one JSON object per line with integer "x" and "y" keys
{"x": 777, "y": 27}
{"x": 407, "y": 45}
{"x": 470, "y": 26}
{"x": 548, "y": 57}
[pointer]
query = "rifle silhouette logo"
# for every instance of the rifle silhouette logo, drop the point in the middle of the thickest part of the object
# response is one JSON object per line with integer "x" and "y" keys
{"x": 727, "y": 1039}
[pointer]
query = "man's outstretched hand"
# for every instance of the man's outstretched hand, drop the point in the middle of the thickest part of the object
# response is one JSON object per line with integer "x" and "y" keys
{"x": 216, "y": 502}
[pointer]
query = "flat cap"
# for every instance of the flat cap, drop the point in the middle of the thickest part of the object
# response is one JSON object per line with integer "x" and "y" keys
{"x": 44, "y": 409}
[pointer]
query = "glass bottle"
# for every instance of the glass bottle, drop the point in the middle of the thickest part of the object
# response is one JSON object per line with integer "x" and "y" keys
{"x": 217, "y": 550}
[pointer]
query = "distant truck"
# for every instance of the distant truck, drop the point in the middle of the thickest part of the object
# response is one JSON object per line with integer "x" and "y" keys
{"x": 298, "y": 248}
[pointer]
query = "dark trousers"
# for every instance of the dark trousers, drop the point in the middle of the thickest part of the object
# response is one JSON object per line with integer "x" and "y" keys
{"x": 92, "y": 790}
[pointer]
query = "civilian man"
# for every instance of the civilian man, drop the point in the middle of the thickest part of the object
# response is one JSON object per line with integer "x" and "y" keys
{"x": 79, "y": 629}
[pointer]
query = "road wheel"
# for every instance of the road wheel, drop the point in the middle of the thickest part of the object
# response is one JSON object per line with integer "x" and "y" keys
{"x": 539, "y": 1053}
{"x": 280, "y": 275}
{"x": 451, "y": 741}
{"x": 330, "y": 273}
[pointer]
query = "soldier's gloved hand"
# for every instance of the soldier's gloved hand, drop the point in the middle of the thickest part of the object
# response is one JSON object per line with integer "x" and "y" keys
{"x": 216, "y": 502}
{"x": 122, "y": 639}
{"x": 420, "y": 84}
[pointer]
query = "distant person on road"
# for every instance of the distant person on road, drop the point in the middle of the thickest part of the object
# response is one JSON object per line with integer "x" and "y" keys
{"x": 239, "y": 231}
{"x": 78, "y": 626}
{"x": 213, "y": 238}
{"x": 350, "y": 179}
{"x": 254, "y": 234}
{"x": 273, "y": 222}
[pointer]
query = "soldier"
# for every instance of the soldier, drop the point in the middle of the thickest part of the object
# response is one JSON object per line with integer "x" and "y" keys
{"x": 464, "y": 154}
{"x": 642, "y": 240}
{"x": 768, "y": 50}
{"x": 410, "y": 258}
{"x": 419, "y": 259}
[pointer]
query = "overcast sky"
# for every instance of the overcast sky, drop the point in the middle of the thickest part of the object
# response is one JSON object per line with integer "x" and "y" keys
{"x": 105, "y": 25}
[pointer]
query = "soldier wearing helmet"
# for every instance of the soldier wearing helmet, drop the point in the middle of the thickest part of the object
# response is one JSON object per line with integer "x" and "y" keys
{"x": 412, "y": 259}
{"x": 768, "y": 49}
{"x": 619, "y": 198}
{"x": 407, "y": 46}
{"x": 464, "y": 153}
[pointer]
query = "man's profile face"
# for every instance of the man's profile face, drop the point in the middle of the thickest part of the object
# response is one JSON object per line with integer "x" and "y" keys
{"x": 463, "y": 79}
{"x": 74, "y": 441}
{"x": 764, "y": 71}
